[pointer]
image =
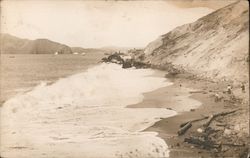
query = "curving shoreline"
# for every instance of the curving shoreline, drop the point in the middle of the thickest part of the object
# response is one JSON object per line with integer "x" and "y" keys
{"x": 167, "y": 127}
{"x": 85, "y": 110}
{"x": 176, "y": 96}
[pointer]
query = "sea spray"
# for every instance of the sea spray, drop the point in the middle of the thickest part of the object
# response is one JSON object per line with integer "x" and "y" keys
{"x": 85, "y": 115}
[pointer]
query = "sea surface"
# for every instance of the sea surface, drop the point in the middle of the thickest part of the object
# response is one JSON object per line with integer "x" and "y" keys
{"x": 21, "y": 72}
{"x": 81, "y": 112}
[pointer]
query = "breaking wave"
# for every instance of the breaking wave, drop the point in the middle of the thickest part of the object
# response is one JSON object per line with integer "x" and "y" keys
{"x": 85, "y": 115}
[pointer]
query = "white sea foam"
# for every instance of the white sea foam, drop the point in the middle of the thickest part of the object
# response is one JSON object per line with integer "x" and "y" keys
{"x": 85, "y": 115}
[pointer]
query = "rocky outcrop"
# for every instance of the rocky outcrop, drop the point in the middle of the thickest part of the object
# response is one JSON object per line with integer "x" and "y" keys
{"x": 114, "y": 58}
{"x": 89, "y": 50}
{"x": 123, "y": 60}
{"x": 213, "y": 47}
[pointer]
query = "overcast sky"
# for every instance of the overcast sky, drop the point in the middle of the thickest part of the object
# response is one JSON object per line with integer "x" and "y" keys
{"x": 95, "y": 23}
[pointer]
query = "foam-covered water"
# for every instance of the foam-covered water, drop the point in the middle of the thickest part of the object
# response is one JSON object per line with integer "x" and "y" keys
{"x": 85, "y": 115}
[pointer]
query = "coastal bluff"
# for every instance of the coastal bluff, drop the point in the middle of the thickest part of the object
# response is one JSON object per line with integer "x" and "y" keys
{"x": 215, "y": 47}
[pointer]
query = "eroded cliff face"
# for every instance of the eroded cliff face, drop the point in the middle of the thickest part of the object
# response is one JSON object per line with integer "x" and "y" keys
{"x": 215, "y": 46}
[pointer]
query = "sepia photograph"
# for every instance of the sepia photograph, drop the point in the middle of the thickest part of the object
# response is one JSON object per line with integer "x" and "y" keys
{"x": 124, "y": 79}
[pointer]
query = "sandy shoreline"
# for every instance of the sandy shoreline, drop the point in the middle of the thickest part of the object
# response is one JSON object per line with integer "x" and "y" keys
{"x": 49, "y": 121}
{"x": 190, "y": 98}
{"x": 168, "y": 97}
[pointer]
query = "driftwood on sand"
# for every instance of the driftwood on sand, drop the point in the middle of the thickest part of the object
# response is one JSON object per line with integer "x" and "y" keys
{"x": 186, "y": 125}
{"x": 208, "y": 144}
{"x": 212, "y": 117}
{"x": 202, "y": 143}
{"x": 195, "y": 120}
{"x": 182, "y": 130}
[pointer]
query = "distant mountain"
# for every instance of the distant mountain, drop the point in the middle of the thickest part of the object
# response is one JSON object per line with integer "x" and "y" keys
{"x": 14, "y": 45}
{"x": 44, "y": 46}
{"x": 116, "y": 49}
{"x": 88, "y": 50}
{"x": 216, "y": 46}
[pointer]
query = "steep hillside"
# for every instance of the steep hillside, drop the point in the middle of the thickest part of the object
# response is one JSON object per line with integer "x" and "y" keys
{"x": 215, "y": 46}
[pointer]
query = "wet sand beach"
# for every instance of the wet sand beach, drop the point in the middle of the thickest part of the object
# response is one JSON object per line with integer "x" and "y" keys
{"x": 192, "y": 99}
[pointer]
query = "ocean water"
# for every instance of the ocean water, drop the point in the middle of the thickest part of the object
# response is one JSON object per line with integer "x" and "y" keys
{"x": 21, "y": 72}
{"x": 85, "y": 115}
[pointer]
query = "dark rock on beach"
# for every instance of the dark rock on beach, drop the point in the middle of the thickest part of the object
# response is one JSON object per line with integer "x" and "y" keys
{"x": 126, "y": 63}
{"x": 113, "y": 58}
